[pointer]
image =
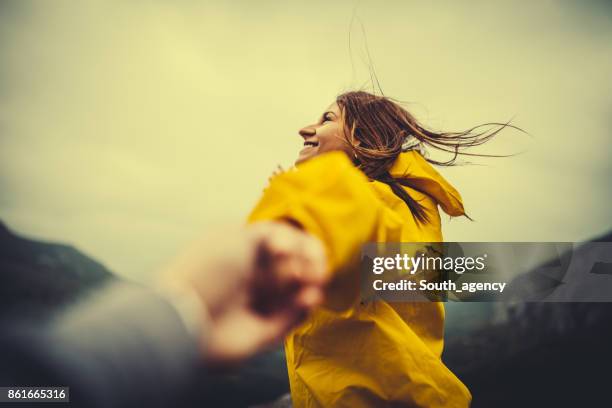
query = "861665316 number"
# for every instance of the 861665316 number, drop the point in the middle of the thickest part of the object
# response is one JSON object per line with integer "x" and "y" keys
{"x": 34, "y": 394}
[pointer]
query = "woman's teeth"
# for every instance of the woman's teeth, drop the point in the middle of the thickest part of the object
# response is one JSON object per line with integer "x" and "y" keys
{"x": 310, "y": 144}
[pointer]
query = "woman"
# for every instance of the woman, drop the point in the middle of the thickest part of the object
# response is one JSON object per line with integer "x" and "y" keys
{"x": 362, "y": 177}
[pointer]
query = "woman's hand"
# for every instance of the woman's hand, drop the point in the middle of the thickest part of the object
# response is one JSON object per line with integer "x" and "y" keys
{"x": 254, "y": 283}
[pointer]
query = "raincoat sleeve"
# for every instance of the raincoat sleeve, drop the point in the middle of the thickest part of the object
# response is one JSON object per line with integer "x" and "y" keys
{"x": 329, "y": 198}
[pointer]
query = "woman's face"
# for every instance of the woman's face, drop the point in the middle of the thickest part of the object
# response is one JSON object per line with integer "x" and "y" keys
{"x": 326, "y": 135}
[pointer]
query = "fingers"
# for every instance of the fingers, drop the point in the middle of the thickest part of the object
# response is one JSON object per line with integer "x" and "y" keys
{"x": 313, "y": 255}
{"x": 241, "y": 334}
{"x": 283, "y": 270}
{"x": 288, "y": 260}
{"x": 278, "y": 170}
{"x": 289, "y": 254}
{"x": 309, "y": 297}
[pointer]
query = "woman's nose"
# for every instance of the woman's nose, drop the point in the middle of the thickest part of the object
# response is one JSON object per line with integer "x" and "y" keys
{"x": 307, "y": 132}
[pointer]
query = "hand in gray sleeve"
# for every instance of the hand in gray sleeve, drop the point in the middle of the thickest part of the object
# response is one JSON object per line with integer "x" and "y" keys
{"x": 128, "y": 346}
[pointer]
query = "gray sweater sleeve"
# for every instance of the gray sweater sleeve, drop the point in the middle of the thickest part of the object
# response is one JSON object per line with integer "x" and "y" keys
{"x": 125, "y": 346}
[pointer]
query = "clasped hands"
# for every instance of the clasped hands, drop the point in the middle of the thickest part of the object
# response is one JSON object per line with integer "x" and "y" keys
{"x": 252, "y": 285}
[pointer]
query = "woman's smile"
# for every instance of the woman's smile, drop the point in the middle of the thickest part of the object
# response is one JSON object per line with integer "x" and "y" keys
{"x": 325, "y": 135}
{"x": 309, "y": 145}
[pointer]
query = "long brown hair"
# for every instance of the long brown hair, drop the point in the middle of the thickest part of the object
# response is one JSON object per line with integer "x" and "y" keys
{"x": 376, "y": 127}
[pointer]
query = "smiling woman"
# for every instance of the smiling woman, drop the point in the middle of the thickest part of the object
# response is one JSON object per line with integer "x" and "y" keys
{"x": 373, "y": 130}
{"x": 363, "y": 176}
{"x": 324, "y": 136}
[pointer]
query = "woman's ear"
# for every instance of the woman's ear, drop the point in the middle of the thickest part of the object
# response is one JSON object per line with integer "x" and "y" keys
{"x": 349, "y": 135}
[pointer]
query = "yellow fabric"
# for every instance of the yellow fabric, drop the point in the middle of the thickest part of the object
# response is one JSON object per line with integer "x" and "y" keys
{"x": 376, "y": 354}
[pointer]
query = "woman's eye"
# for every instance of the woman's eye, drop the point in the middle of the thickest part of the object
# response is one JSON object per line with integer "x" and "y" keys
{"x": 326, "y": 118}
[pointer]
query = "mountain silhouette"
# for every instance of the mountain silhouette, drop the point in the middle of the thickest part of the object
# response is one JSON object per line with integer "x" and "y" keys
{"x": 38, "y": 278}
{"x": 540, "y": 354}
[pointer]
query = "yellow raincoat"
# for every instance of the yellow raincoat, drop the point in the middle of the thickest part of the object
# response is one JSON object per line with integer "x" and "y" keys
{"x": 375, "y": 354}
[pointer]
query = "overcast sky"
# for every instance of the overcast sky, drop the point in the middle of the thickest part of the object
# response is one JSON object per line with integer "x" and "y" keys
{"x": 128, "y": 128}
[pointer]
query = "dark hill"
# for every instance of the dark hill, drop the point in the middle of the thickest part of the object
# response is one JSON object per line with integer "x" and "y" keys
{"x": 541, "y": 354}
{"x": 37, "y": 278}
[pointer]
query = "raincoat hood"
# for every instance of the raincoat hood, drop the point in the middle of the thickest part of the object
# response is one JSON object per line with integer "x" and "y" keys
{"x": 412, "y": 166}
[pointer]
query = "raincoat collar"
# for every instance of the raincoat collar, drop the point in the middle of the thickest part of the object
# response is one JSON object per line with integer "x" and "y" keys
{"x": 412, "y": 166}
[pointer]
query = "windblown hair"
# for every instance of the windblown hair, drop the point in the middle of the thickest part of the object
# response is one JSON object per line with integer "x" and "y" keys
{"x": 377, "y": 126}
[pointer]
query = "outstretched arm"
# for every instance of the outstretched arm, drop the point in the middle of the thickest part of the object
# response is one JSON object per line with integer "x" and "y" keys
{"x": 332, "y": 200}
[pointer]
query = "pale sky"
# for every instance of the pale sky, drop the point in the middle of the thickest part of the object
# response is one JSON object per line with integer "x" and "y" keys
{"x": 128, "y": 128}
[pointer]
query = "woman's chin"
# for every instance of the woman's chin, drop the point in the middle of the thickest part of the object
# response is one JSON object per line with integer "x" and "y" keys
{"x": 302, "y": 157}
{"x": 300, "y": 160}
